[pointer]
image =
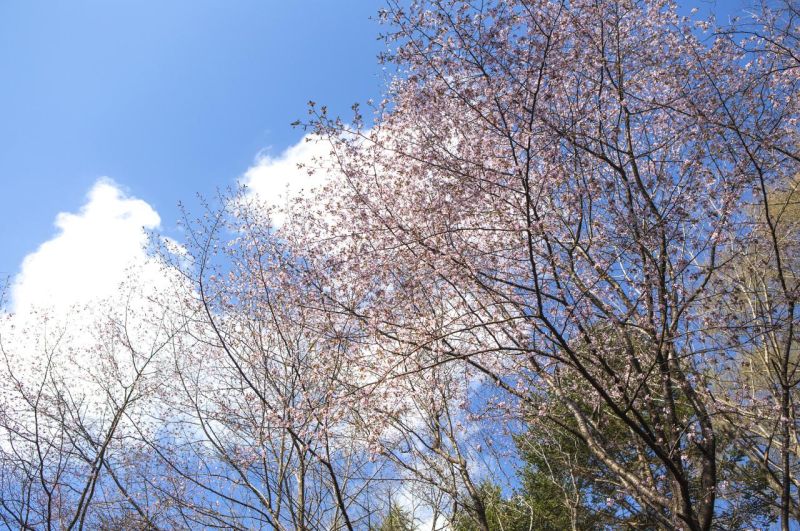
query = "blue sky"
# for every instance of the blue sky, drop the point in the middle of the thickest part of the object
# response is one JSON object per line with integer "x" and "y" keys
{"x": 169, "y": 98}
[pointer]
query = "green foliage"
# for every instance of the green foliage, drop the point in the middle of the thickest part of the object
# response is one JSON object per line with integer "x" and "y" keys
{"x": 508, "y": 514}
{"x": 550, "y": 496}
{"x": 560, "y": 486}
{"x": 397, "y": 519}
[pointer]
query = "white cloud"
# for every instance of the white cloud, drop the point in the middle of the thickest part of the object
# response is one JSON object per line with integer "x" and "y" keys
{"x": 95, "y": 270}
{"x": 91, "y": 253}
{"x": 77, "y": 294}
{"x": 279, "y": 181}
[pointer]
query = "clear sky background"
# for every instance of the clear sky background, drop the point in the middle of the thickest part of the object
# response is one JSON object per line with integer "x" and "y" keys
{"x": 169, "y": 98}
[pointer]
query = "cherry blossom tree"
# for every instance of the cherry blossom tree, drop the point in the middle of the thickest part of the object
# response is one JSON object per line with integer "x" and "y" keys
{"x": 565, "y": 180}
{"x": 266, "y": 420}
{"x": 759, "y": 391}
{"x": 76, "y": 393}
